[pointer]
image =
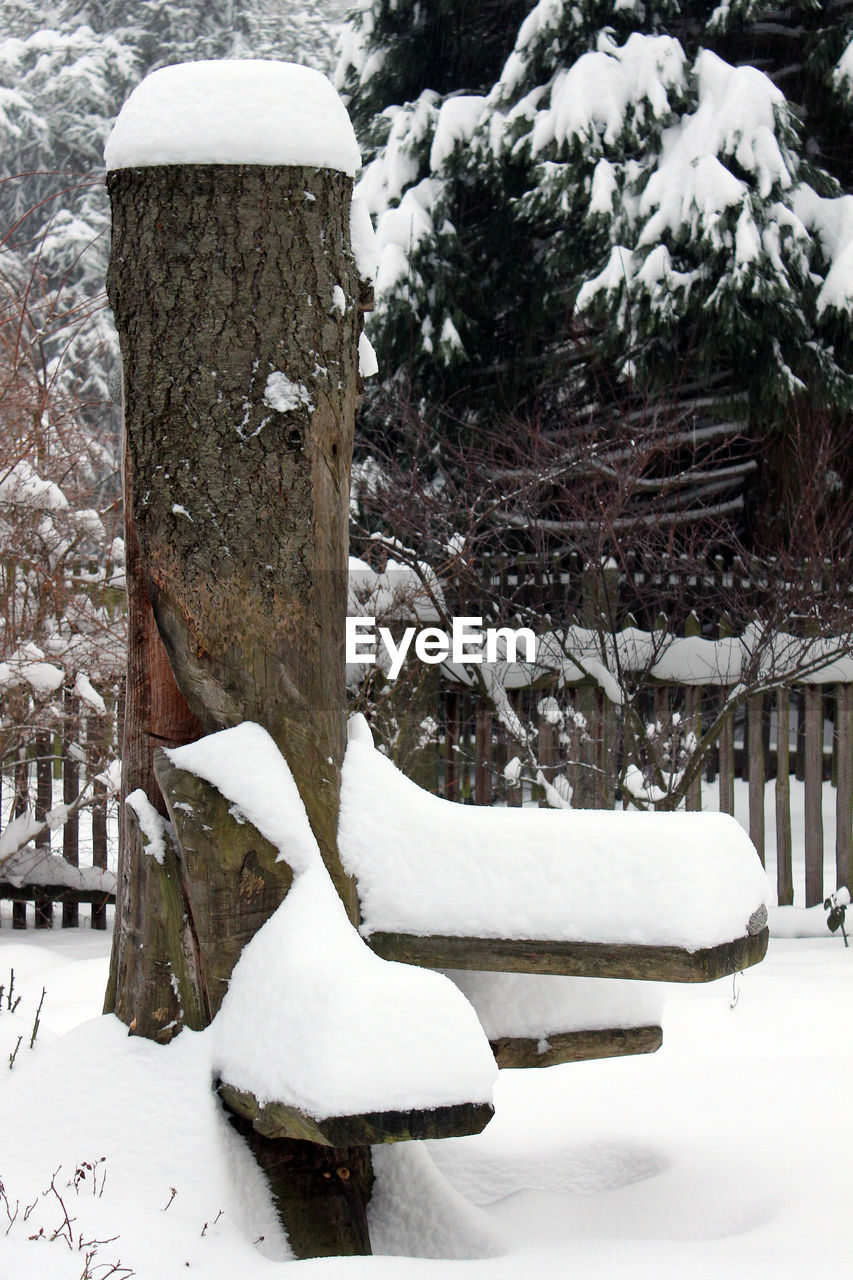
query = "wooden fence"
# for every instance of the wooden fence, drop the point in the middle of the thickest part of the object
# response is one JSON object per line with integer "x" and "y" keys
{"x": 47, "y": 767}
{"x": 644, "y": 587}
{"x": 452, "y": 742}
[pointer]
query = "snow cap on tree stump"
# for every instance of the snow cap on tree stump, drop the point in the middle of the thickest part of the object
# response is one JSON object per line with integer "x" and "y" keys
{"x": 237, "y": 111}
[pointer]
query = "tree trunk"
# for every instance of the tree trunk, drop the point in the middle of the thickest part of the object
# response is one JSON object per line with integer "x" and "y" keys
{"x": 237, "y": 301}
{"x": 96, "y": 748}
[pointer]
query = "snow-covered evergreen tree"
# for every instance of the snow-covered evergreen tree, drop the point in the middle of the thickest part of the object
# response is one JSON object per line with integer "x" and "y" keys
{"x": 619, "y": 189}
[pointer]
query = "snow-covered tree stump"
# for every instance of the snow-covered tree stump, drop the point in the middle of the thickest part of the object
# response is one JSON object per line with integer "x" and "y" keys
{"x": 237, "y": 296}
{"x": 238, "y": 301}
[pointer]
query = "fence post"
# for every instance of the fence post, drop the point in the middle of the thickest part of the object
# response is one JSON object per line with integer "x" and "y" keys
{"x": 844, "y": 792}
{"x": 451, "y": 744}
{"x": 547, "y": 753}
{"x": 70, "y": 788}
{"x": 514, "y": 791}
{"x": 755, "y": 755}
{"x": 813, "y": 796}
{"x": 573, "y": 766}
{"x": 727, "y": 762}
{"x": 595, "y": 789}
{"x": 693, "y": 708}
{"x": 44, "y": 800}
{"x": 800, "y": 763}
{"x": 96, "y": 756}
{"x": 22, "y": 799}
{"x": 784, "y": 869}
{"x": 483, "y": 756}
{"x": 44, "y": 785}
{"x": 727, "y": 740}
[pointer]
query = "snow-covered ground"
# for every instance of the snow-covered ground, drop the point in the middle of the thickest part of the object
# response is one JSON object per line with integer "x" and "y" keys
{"x": 727, "y": 1152}
{"x": 724, "y": 1153}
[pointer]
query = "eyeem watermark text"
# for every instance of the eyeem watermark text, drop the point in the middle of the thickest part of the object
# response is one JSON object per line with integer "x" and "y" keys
{"x": 468, "y": 641}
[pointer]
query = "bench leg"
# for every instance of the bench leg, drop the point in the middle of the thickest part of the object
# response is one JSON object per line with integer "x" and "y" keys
{"x": 320, "y": 1193}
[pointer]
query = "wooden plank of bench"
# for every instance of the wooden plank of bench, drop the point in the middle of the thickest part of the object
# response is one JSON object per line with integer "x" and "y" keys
{"x": 54, "y": 893}
{"x": 575, "y": 1046}
{"x": 575, "y": 959}
{"x": 278, "y": 1120}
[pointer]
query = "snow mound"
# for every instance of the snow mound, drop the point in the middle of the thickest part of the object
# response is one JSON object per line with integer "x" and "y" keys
{"x": 235, "y": 111}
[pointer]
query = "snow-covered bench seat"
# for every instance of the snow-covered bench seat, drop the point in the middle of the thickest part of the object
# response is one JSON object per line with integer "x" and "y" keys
{"x": 675, "y": 897}
{"x": 535, "y": 1021}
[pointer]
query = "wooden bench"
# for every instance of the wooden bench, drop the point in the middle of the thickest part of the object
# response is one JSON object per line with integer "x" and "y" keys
{"x": 251, "y": 863}
{"x": 462, "y": 864}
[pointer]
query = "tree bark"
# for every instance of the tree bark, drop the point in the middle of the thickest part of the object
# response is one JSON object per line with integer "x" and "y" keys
{"x": 140, "y": 988}
{"x": 240, "y": 383}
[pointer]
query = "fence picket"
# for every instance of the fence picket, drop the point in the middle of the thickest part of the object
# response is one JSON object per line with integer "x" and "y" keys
{"x": 784, "y": 869}
{"x": 754, "y": 757}
{"x": 727, "y": 762}
{"x": 693, "y": 715}
{"x": 451, "y": 742}
{"x": 547, "y": 753}
{"x": 800, "y": 699}
{"x": 573, "y": 751}
{"x": 44, "y": 785}
{"x": 483, "y": 756}
{"x": 21, "y": 802}
{"x": 693, "y": 711}
{"x": 844, "y": 791}
{"x": 813, "y": 794}
{"x": 96, "y": 737}
{"x": 44, "y": 796}
{"x": 514, "y": 792}
{"x": 70, "y": 788}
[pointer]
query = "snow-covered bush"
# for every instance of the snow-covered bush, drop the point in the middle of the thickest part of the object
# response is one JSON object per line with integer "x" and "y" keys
{"x": 61, "y": 559}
